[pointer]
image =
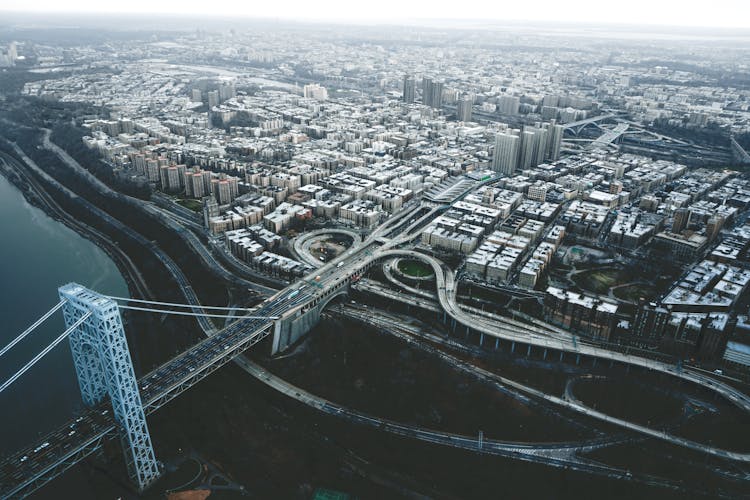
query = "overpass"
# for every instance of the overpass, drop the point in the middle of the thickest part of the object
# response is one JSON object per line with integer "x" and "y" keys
{"x": 610, "y": 136}
{"x": 576, "y": 127}
{"x": 287, "y": 316}
{"x": 739, "y": 152}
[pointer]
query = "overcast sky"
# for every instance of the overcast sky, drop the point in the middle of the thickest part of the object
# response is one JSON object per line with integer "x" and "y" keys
{"x": 710, "y": 13}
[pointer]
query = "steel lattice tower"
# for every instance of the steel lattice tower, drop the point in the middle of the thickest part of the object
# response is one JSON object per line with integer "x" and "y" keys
{"x": 103, "y": 365}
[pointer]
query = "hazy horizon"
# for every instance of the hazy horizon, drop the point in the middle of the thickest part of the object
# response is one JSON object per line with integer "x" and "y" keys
{"x": 723, "y": 14}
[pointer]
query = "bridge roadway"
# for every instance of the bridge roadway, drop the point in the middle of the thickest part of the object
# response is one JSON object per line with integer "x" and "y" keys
{"x": 581, "y": 123}
{"x": 610, "y": 136}
{"x": 64, "y": 448}
{"x": 29, "y": 469}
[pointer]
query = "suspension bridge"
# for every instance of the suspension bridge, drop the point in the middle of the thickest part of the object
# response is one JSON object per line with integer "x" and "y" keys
{"x": 118, "y": 402}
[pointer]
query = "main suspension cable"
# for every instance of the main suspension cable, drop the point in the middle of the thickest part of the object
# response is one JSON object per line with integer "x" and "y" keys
{"x": 44, "y": 352}
{"x": 31, "y": 328}
{"x": 186, "y": 313}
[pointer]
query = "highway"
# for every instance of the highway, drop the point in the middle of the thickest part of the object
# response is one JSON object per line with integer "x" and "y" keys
{"x": 301, "y": 244}
{"x": 579, "y": 123}
{"x": 446, "y": 295}
{"x": 33, "y": 466}
{"x": 55, "y": 452}
{"x": 63, "y": 449}
{"x": 174, "y": 221}
{"x": 562, "y": 455}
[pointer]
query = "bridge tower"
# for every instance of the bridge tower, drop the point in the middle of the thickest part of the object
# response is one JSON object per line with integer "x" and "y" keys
{"x": 104, "y": 368}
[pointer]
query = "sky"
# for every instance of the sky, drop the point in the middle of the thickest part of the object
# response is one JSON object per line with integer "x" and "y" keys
{"x": 712, "y": 13}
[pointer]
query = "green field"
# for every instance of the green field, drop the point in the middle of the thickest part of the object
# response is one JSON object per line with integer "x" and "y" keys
{"x": 632, "y": 293}
{"x": 194, "y": 205}
{"x": 600, "y": 280}
{"x": 414, "y": 268}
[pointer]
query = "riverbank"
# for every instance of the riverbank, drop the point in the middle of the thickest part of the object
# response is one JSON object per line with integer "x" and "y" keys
{"x": 36, "y": 196}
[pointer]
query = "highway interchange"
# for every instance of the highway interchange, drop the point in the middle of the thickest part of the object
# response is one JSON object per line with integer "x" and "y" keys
{"x": 41, "y": 461}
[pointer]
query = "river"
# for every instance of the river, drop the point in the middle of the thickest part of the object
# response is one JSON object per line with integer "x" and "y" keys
{"x": 37, "y": 255}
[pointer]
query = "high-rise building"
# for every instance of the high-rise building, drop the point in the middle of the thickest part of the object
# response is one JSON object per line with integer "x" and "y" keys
{"x": 463, "y": 109}
{"x": 426, "y": 90}
{"x": 508, "y": 105}
{"x": 505, "y": 157}
{"x": 174, "y": 180}
{"x": 555, "y": 142}
{"x": 196, "y": 95}
{"x": 540, "y": 145}
{"x": 432, "y": 92}
{"x": 221, "y": 191}
{"x": 194, "y": 185}
{"x": 551, "y": 100}
{"x": 163, "y": 177}
{"x": 526, "y": 147}
{"x": 213, "y": 98}
{"x": 315, "y": 91}
{"x": 549, "y": 112}
{"x": 681, "y": 220}
{"x": 152, "y": 170}
{"x": 410, "y": 89}
{"x": 226, "y": 91}
{"x": 210, "y": 209}
{"x": 437, "y": 95}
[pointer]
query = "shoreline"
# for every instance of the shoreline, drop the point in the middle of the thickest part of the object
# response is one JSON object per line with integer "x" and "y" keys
{"x": 31, "y": 193}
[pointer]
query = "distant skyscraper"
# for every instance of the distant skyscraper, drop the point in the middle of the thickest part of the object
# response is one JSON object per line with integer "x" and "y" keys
{"x": 437, "y": 94}
{"x": 508, "y": 105}
{"x": 463, "y": 109}
{"x": 527, "y": 148}
{"x": 315, "y": 91}
{"x": 505, "y": 157}
{"x": 410, "y": 89}
{"x": 426, "y": 90}
{"x": 226, "y": 91}
{"x": 540, "y": 145}
{"x": 555, "y": 142}
{"x": 432, "y": 92}
{"x": 213, "y": 98}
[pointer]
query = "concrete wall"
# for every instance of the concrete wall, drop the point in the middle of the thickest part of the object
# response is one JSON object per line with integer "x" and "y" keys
{"x": 291, "y": 328}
